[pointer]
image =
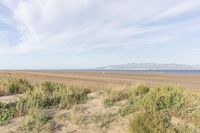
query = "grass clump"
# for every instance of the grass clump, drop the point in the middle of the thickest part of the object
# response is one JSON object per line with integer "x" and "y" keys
{"x": 135, "y": 100}
{"x": 151, "y": 122}
{"x": 165, "y": 98}
{"x": 156, "y": 108}
{"x": 116, "y": 94}
{"x": 50, "y": 95}
{"x": 14, "y": 86}
{"x": 119, "y": 93}
{"x": 35, "y": 120}
{"x": 7, "y": 112}
{"x": 141, "y": 90}
{"x": 77, "y": 117}
{"x": 71, "y": 96}
{"x": 159, "y": 98}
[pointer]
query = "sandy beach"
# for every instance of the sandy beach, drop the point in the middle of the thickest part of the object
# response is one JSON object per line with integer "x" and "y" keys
{"x": 95, "y": 80}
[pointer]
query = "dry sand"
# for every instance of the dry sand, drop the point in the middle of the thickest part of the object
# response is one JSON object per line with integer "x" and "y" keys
{"x": 95, "y": 80}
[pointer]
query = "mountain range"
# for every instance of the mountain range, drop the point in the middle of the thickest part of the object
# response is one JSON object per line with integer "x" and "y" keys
{"x": 149, "y": 66}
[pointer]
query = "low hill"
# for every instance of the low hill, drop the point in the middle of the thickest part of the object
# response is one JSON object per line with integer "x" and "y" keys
{"x": 150, "y": 66}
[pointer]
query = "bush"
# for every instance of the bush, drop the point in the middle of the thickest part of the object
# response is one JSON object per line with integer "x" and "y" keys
{"x": 6, "y": 113}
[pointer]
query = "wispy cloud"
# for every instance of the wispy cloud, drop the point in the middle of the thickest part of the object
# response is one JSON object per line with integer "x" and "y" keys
{"x": 56, "y": 26}
{"x": 67, "y": 25}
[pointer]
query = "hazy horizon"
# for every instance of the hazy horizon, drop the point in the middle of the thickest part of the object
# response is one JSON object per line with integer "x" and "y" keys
{"x": 65, "y": 34}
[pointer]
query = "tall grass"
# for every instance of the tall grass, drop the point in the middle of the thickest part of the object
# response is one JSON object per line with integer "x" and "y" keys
{"x": 49, "y": 95}
{"x": 116, "y": 93}
{"x": 155, "y": 107}
{"x": 14, "y": 86}
{"x": 35, "y": 120}
{"x": 45, "y": 96}
{"x": 151, "y": 110}
{"x": 151, "y": 122}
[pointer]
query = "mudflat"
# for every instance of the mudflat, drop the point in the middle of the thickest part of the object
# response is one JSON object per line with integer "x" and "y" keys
{"x": 95, "y": 80}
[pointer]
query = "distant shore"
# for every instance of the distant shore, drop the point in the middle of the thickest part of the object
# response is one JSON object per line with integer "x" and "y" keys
{"x": 114, "y": 71}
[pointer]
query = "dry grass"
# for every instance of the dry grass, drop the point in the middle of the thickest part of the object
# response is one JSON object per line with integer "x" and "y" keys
{"x": 160, "y": 109}
{"x": 49, "y": 95}
{"x": 14, "y": 86}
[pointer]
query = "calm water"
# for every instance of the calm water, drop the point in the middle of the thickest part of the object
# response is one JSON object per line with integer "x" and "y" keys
{"x": 133, "y": 71}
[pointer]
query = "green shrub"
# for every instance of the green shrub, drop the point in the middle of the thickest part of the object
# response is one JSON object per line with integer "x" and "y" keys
{"x": 6, "y": 113}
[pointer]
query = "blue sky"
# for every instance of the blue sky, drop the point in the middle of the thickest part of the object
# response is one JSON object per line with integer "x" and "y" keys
{"x": 67, "y": 34}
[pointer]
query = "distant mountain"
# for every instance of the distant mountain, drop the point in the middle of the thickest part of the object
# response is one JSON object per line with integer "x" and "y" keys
{"x": 150, "y": 66}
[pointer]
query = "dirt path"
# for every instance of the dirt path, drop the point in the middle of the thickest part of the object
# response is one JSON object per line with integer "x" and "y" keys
{"x": 9, "y": 99}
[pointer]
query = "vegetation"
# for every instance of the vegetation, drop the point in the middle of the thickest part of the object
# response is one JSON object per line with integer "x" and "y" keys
{"x": 35, "y": 120}
{"x": 49, "y": 95}
{"x": 155, "y": 109}
{"x": 6, "y": 113}
{"x": 163, "y": 109}
{"x": 14, "y": 86}
{"x": 115, "y": 94}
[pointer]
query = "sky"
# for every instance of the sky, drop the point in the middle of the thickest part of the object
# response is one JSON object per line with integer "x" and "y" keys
{"x": 79, "y": 34}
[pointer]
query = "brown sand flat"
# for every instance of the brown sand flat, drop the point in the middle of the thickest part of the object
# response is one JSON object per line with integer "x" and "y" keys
{"x": 95, "y": 80}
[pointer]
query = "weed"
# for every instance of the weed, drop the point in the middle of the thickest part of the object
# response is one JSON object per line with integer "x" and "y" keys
{"x": 6, "y": 113}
